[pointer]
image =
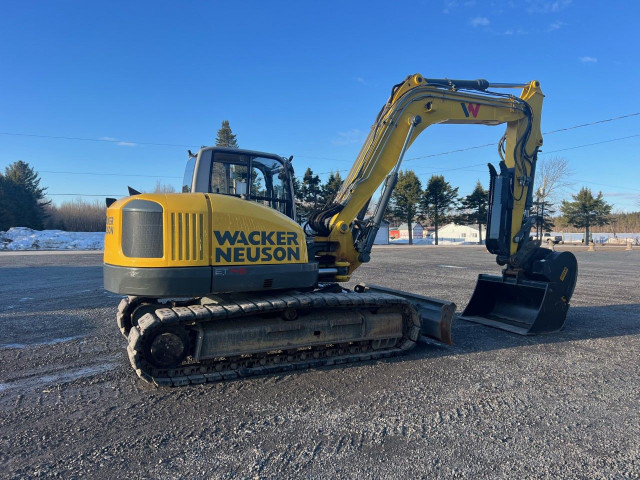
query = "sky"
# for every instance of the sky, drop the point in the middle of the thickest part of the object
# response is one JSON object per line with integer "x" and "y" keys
{"x": 305, "y": 79}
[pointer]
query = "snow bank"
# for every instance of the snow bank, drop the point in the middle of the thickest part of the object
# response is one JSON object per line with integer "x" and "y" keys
{"x": 22, "y": 238}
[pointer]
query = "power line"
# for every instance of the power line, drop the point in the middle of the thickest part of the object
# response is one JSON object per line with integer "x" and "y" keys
{"x": 131, "y": 142}
{"x": 108, "y": 174}
{"x": 591, "y": 123}
{"x": 466, "y": 167}
{"x": 451, "y": 151}
{"x": 86, "y": 195}
{"x": 475, "y": 147}
{"x": 457, "y": 168}
{"x": 112, "y": 140}
{"x": 346, "y": 169}
{"x": 608, "y": 185}
{"x": 591, "y": 144}
{"x": 544, "y": 133}
{"x": 543, "y": 153}
{"x": 107, "y": 140}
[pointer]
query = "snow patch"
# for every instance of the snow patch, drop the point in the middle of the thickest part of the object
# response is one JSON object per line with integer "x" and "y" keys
{"x": 416, "y": 241}
{"x": 22, "y": 238}
{"x": 57, "y": 378}
{"x": 54, "y": 341}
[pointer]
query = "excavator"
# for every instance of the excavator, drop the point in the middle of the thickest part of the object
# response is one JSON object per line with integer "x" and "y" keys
{"x": 221, "y": 282}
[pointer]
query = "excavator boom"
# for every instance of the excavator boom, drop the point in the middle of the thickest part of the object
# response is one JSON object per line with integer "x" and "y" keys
{"x": 413, "y": 106}
{"x": 532, "y": 295}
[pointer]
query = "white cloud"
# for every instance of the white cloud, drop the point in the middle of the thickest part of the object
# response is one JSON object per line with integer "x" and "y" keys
{"x": 454, "y": 4}
{"x": 117, "y": 142}
{"x": 519, "y": 31}
{"x": 448, "y": 5}
{"x": 556, "y": 26}
{"x": 588, "y": 59}
{"x": 545, "y": 6}
{"x": 479, "y": 22}
{"x": 361, "y": 80}
{"x": 349, "y": 137}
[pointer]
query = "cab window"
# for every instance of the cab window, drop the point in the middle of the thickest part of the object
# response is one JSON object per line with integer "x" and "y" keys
{"x": 267, "y": 183}
{"x": 188, "y": 175}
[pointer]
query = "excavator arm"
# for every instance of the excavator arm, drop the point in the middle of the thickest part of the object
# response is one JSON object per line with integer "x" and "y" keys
{"x": 343, "y": 239}
{"x": 414, "y": 105}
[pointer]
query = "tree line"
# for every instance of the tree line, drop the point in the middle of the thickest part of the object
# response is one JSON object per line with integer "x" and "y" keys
{"x": 438, "y": 203}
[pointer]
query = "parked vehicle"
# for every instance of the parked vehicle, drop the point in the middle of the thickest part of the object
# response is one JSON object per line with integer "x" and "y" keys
{"x": 551, "y": 239}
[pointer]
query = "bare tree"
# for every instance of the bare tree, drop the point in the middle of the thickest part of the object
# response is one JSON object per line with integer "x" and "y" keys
{"x": 163, "y": 188}
{"x": 76, "y": 216}
{"x": 552, "y": 177}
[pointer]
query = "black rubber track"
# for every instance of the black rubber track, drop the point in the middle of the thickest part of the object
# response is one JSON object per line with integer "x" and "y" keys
{"x": 260, "y": 363}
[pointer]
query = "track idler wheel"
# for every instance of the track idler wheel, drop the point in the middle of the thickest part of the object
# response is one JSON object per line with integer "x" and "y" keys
{"x": 132, "y": 309}
{"x": 166, "y": 347}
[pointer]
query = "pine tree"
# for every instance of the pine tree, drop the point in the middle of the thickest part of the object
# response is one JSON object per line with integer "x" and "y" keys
{"x": 473, "y": 209}
{"x": 297, "y": 197}
{"x": 24, "y": 200}
{"x": 586, "y": 211}
{"x": 329, "y": 189}
{"x": 405, "y": 199}
{"x": 311, "y": 189}
{"x": 544, "y": 211}
{"x": 8, "y": 205}
{"x": 438, "y": 200}
{"x": 226, "y": 137}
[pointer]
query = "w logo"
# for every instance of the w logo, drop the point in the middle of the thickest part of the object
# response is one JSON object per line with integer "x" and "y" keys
{"x": 470, "y": 107}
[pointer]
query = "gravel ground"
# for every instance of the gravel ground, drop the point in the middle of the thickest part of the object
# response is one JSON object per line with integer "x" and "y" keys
{"x": 495, "y": 405}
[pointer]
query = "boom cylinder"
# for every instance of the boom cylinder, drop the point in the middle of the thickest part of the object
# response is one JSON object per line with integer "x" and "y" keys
{"x": 389, "y": 185}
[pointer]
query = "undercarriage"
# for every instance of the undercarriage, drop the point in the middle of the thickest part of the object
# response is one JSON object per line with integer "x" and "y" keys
{"x": 208, "y": 339}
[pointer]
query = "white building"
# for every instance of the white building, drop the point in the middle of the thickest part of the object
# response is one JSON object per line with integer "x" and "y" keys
{"x": 403, "y": 231}
{"x": 459, "y": 234}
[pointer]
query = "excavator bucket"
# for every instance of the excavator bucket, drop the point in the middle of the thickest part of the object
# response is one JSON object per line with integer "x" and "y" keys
{"x": 526, "y": 305}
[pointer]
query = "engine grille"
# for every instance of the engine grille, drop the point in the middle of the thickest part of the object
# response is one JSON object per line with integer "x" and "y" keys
{"x": 142, "y": 229}
{"x": 187, "y": 236}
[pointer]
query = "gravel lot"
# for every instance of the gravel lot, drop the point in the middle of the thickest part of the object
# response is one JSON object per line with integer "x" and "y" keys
{"x": 495, "y": 405}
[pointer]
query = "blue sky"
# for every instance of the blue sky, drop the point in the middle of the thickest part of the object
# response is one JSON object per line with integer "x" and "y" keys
{"x": 304, "y": 79}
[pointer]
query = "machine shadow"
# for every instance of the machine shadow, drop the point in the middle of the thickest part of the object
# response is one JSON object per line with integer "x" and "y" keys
{"x": 583, "y": 323}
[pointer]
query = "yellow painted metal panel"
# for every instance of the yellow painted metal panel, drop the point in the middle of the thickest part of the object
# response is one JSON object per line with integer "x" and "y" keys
{"x": 211, "y": 229}
{"x": 247, "y": 233}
